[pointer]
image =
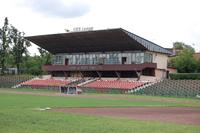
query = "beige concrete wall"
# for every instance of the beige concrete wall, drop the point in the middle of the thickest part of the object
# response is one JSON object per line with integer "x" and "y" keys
{"x": 172, "y": 70}
{"x": 161, "y": 60}
{"x": 160, "y": 74}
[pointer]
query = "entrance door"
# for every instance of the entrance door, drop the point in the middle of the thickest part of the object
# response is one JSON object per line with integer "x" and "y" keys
{"x": 101, "y": 61}
{"x": 66, "y": 61}
{"x": 167, "y": 74}
{"x": 123, "y": 60}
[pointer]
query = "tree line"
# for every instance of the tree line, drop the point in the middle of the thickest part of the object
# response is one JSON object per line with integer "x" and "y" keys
{"x": 14, "y": 52}
{"x": 184, "y": 61}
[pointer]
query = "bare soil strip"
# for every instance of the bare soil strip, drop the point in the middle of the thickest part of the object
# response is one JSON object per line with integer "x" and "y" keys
{"x": 187, "y": 116}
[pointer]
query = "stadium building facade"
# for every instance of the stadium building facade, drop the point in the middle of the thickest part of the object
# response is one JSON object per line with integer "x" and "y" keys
{"x": 103, "y": 53}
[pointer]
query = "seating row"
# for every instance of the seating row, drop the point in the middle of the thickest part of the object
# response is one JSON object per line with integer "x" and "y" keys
{"x": 46, "y": 82}
{"x": 113, "y": 84}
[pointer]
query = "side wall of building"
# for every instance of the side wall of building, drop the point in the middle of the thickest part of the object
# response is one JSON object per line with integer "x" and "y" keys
{"x": 161, "y": 60}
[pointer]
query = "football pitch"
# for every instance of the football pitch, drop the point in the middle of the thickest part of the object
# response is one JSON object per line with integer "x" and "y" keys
{"x": 21, "y": 112}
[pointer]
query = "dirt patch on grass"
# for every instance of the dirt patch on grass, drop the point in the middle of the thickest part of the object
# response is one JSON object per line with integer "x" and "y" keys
{"x": 164, "y": 114}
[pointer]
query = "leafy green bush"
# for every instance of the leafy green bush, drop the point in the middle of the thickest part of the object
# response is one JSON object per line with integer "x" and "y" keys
{"x": 186, "y": 76}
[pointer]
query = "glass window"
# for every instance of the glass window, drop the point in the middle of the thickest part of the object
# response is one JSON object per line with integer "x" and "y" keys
{"x": 142, "y": 57}
{"x": 133, "y": 58}
{"x": 129, "y": 58}
{"x": 103, "y": 58}
{"x": 58, "y": 60}
{"x": 148, "y": 57}
{"x": 139, "y": 58}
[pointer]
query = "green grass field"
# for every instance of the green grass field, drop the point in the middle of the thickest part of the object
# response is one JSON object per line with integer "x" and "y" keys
{"x": 18, "y": 114}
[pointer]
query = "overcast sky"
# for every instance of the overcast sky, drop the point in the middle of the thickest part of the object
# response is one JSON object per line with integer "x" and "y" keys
{"x": 160, "y": 21}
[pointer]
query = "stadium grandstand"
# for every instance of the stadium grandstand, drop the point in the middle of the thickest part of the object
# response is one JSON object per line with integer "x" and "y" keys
{"x": 106, "y": 59}
{"x": 103, "y": 53}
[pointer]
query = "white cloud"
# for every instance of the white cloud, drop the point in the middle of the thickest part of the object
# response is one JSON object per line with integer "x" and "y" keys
{"x": 162, "y": 22}
{"x": 58, "y": 8}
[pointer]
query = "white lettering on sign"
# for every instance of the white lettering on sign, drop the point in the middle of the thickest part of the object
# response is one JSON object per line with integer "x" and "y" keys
{"x": 76, "y": 29}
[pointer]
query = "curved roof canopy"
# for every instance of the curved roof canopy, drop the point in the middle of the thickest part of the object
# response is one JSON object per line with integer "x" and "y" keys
{"x": 95, "y": 41}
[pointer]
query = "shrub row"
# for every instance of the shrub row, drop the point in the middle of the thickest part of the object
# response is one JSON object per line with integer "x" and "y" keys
{"x": 177, "y": 76}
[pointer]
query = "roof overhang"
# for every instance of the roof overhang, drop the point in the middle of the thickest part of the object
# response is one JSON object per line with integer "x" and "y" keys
{"x": 94, "y": 41}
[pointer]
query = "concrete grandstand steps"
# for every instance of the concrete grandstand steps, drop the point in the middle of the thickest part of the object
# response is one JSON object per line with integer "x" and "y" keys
{"x": 182, "y": 88}
{"x": 77, "y": 82}
{"x": 87, "y": 81}
{"x": 146, "y": 84}
{"x": 148, "y": 78}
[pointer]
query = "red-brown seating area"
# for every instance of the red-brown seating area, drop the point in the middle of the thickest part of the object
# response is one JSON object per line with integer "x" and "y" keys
{"x": 113, "y": 84}
{"x": 37, "y": 83}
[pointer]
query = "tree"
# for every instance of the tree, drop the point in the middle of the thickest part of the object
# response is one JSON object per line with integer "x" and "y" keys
{"x": 4, "y": 44}
{"x": 19, "y": 48}
{"x": 178, "y": 45}
{"x": 32, "y": 65}
{"x": 181, "y": 46}
{"x": 198, "y": 65}
{"x": 46, "y": 57}
{"x": 185, "y": 62}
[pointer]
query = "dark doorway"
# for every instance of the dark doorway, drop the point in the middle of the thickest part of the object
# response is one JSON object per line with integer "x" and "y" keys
{"x": 66, "y": 61}
{"x": 68, "y": 90}
{"x": 148, "y": 72}
{"x": 123, "y": 60}
{"x": 167, "y": 74}
{"x": 102, "y": 61}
